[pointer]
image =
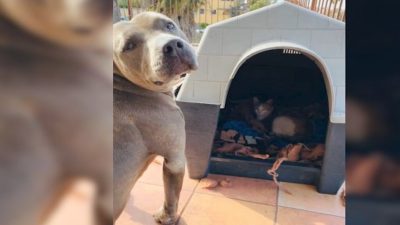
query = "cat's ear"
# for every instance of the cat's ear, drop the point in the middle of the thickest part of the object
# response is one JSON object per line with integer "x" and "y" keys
{"x": 270, "y": 101}
{"x": 256, "y": 101}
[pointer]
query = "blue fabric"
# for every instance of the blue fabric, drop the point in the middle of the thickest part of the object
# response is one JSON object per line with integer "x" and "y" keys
{"x": 241, "y": 127}
{"x": 279, "y": 142}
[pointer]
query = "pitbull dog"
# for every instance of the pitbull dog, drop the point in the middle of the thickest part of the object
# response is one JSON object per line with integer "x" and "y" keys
{"x": 151, "y": 56}
{"x": 55, "y": 105}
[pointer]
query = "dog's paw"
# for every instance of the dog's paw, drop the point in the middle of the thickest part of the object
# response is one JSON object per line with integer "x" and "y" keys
{"x": 163, "y": 218}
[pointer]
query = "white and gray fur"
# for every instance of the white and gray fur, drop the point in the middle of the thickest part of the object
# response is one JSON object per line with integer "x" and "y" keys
{"x": 151, "y": 56}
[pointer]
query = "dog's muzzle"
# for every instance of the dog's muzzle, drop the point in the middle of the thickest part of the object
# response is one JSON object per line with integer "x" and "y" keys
{"x": 177, "y": 48}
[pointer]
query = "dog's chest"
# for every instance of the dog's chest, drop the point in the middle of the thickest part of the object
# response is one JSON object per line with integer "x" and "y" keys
{"x": 157, "y": 117}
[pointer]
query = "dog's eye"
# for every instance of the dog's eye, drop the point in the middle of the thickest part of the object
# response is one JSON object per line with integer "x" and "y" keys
{"x": 129, "y": 46}
{"x": 170, "y": 26}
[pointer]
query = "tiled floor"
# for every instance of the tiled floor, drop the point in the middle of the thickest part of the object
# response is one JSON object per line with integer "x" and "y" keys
{"x": 248, "y": 201}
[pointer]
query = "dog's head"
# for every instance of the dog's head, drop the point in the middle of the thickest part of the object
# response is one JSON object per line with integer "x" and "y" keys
{"x": 152, "y": 52}
{"x": 67, "y": 22}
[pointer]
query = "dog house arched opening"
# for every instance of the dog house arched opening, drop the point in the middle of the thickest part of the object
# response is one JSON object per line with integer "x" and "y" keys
{"x": 289, "y": 49}
{"x": 287, "y": 76}
{"x": 284, "y": 84}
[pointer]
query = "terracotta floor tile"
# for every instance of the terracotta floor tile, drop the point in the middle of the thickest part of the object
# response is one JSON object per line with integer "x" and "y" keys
{"x": 204, "y": 209}
{"x": 306, "y": 197}
{"x": 76, "y": 207}
{"x": 145, "y": 200}
{"x": 288, "y": 216}
{"x": 153, "y": 175}
{"x": 247, "y": 189}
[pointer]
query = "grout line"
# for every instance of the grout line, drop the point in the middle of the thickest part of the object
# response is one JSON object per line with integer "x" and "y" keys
{"x": 323, "y": 213}
{"x": 277, "y": 206}
{"x": 187, "y": 203}
{"x": 326, "y": 214}
{"x": 242, "y": 200}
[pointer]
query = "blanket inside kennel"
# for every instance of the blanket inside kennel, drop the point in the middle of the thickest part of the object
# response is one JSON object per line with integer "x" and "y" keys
{"x": 296, "y": 85}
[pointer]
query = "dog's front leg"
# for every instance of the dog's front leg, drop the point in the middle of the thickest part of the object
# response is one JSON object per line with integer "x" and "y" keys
{"x": 173, "y": 173}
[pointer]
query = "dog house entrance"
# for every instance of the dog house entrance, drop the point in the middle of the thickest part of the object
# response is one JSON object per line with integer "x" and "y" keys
{"x": 276, "y": 101}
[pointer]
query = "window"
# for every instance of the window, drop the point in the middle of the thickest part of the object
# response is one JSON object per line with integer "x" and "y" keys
{"x": 201, "y": 11}
{"x": 214, "y": 11}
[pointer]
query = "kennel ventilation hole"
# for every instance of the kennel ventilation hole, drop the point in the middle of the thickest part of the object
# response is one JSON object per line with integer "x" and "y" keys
{"x": 291, "y": 51}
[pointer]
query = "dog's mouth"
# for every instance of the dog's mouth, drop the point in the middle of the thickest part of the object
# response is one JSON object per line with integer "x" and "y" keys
{"x": 160, "y": 83}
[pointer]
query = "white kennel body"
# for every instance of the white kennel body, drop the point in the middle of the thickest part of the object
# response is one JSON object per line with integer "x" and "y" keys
{"x": 225, "y": 46}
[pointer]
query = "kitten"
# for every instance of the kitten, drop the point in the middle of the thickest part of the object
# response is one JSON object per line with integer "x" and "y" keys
{"x": 263, "y": 112}
{"x": 291, "y": 123}
{"x": 253, "y": 111}
{"x": 262, "y": 109}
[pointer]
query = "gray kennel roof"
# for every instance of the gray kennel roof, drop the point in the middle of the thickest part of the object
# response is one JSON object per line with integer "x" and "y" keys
{"x": 228, "y": 44}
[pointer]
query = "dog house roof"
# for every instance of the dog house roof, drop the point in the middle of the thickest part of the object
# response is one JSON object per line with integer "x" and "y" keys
{"x": 228, "y": 44}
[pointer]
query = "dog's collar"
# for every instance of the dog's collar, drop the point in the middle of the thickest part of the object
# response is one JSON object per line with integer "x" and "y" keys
{"x": 123, "y": 84}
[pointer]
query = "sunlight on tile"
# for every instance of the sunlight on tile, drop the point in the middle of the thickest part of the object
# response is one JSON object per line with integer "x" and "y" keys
{"x": 206, "y": 209}
{"x": 247, "y": 189}
{"x": 306, "y": 197}
{"x": 153, "y": 175}
{"x": 288, "y": 216}
{"x": 145, "y": 200}
{"x": 76, "y": 207}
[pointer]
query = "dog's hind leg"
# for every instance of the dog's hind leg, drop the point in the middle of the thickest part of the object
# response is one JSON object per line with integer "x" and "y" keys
{"x": 173, "y": 173}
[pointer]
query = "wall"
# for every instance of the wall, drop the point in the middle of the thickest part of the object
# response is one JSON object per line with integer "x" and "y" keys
{"x": 221, "y": 7}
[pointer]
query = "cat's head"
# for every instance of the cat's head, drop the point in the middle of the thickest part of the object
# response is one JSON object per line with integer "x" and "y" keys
{"x": 263, "y": 108}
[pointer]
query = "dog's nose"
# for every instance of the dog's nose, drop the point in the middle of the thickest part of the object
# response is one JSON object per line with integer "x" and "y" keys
{"x": 173, "y": 48}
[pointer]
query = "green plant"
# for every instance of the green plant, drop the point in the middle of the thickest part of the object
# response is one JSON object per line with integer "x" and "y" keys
{"x": 181, "y": 11}
{"x": 134, "y": 3}
{"x": 256, "y": 4}
{"x": 203, "y": 25}
{"x": 123, "y": 3}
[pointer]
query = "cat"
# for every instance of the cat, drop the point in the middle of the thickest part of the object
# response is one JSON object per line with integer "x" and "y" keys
{"x": 253, "y": 111}
{"x": 293, "y": 123}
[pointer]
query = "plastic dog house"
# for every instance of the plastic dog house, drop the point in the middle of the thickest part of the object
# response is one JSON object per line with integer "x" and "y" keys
{"x": 227, "y": 46}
